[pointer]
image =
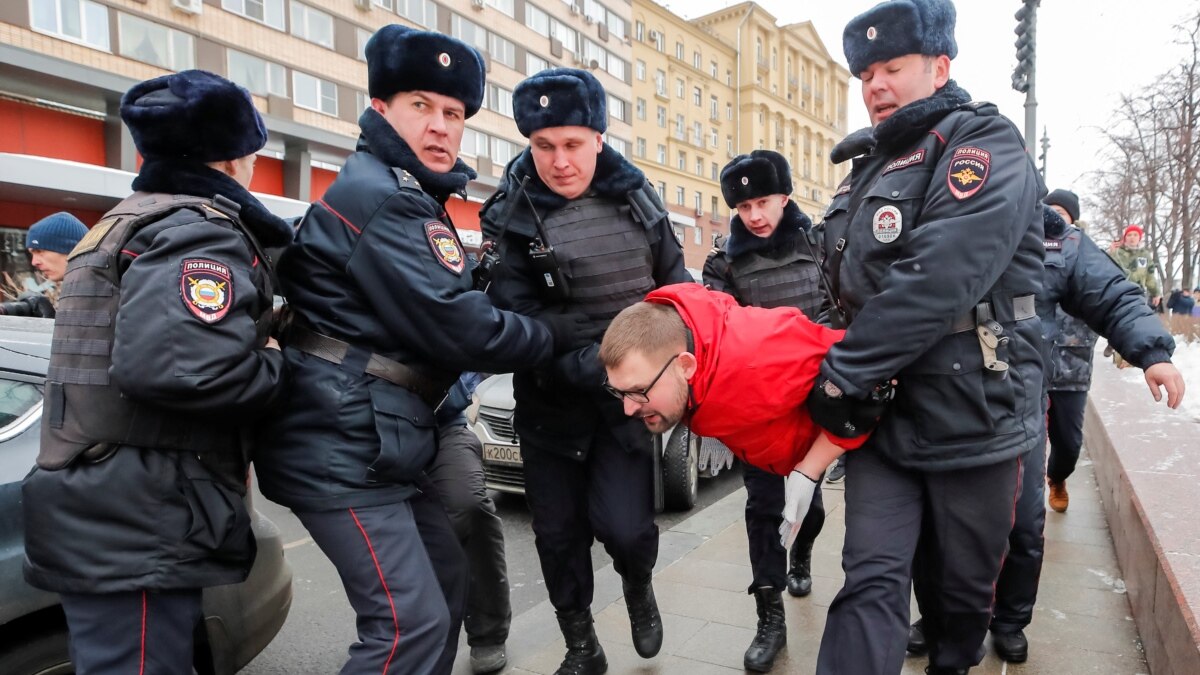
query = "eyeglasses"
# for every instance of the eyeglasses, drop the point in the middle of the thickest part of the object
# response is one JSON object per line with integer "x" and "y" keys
{"x": 639, "y": 395}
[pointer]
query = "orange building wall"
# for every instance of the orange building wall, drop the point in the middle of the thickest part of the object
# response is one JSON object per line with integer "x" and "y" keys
{"x": 321, "y": 180}
{"x": 30, "y": 130}
{"x": 464, "y": 214}
{"x": 22, "y": 215}
{"x": 268, "y": 176}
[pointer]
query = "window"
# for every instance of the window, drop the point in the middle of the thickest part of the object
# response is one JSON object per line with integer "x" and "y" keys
{"x": 469, "y": 32}
{"x": 712, "y": 212}
{"x": 421, "y": 12}
{"x": 697, "y": 96}
{"x": 662, "y": 154}
{"x": 618, "y": 108}
{"x": 502, "y": 50}
{"x": 361, "y": 101}
{"x": 363, "y": 37}
{"x": 712, "y": 138}
{"x": 639, "y": 30}
{"x": 712, "y": 69}
{"x": 77, "y": 20}
{"x": 259, "y": 76}
{"x": 679, "y": 87}
{"x": 681, "y": 165}
{"x": 533, "y": 63}
{"x": 660, "y": 83}
{"x": 641, "y": 109}
{"x": 314, "y": 93}
{"x": 679, "y": 196}
{"x": 679, "y": 50}
{"x": 658, "y": 39}
{"x": 641, "y": 147}
{"x": 728, "y": 111}
{"x": 729, "y": 145}
{"x": 640, "y": 70}
{"x": 155, "y": 43}
{"x": 474, "y": 144}
{"x": 696, "y": 60}
{"x": 619, "y": 144}
{"x": 503, "y": 151}
{"x": 616, "y": 26}
{"x": 680, "y": 129}
{"x": 697, "y": 232}
{"x": 536, "y": 19}
{"x": 269, "y": 12}
{"x": 17, "y": 399}
{"x": 565, "y": 34}
{"x": 699, "y": 166}
{"x": 661, "y": 188}
{"x": 713, "y": 109}
{"x": 716, "y": 175}
{"x": 698, "y": 134}
{"x": 505, "y": 6}
{"x": 312, "y": 25}
{"x": 662, "y": 117}
{"x": 499, "y": 100}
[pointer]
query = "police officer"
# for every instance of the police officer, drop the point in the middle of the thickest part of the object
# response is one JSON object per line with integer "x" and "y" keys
{"x": 933, "y": 246}
{"x": 579, "y": 228}
{"x": 160, "y": 367}
{"x": 48, "y": 241}
{"x": 767, "y": 261}
{"x": 1083, "y": 285}
{"x": 384, "y": 319}
{"x": 457, "y": 474}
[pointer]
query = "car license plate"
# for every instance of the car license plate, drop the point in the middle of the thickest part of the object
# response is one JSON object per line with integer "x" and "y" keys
{"x": 505, "y": 454}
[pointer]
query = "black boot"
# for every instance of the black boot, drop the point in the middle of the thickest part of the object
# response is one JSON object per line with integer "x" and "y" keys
{"x": 772, "y": 631}
{"x": 644, "y": 620}
{"x": 935, "y": 670}
{"x": 584, "y": 656}
{"x": 1012, "y": 647}
{"x": 917, "y": 646}
{"x": 799, "y": 577}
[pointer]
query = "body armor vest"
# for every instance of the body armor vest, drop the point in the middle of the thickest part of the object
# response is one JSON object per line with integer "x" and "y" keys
{"x": 86, "y": 415}
{"x": 604, "y": 252}
{"x": 788, "y": 281}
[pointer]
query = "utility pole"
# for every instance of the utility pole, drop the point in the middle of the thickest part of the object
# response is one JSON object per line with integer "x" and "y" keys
{"x": 1023, "y": 77}
{"x": 1045, "y": 151}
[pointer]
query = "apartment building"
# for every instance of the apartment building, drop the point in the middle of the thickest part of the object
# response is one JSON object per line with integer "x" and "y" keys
{"x": 723, "y": 84}
{"x": 65, "y": 63}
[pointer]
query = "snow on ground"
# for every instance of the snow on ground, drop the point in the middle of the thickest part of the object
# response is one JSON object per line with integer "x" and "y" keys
{"x": 1187, "y": 359}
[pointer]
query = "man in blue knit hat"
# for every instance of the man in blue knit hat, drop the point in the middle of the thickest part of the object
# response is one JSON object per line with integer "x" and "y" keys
{"x": 579, "y": 229}
{"x": 48, "y": 241}
{"x": 933, "y": 250}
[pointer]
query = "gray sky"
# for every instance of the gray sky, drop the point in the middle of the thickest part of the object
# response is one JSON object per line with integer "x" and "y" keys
{"x": 1089, "y": 53}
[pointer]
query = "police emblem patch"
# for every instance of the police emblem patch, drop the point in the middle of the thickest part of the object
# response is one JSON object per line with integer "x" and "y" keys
{"x": 544, "y": 101}
{"x": 887, "y": 224}
{"x": 872, "y": 33}
{"x": 206, "y": 288}
{"x": 745, "y": 180}
{"x": 444, "y": 59}
{"x": 445, "y": 246}
{"x": 968, "y": 171}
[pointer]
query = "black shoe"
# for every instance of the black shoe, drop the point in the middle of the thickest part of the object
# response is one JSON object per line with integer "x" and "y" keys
{"x": 916, "y": 639}
{"x": 837, "y": 474}
{"x": 772, "y": 631}
{"x": 584, "y": 656}
{"x": 487, "y": 658}
{"x": 799, "y": 576}
{"x": 1012, "y": 647}
{"x": 644, "y": 620}
{"x": 934, "y": 670}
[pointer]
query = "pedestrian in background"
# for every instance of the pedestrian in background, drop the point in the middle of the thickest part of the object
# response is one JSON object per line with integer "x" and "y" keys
{"x": 49, "y": 242}
{"x": 580, "y": 229}
{"x": 933, "y": 245}
{"x": 160, "y": 369}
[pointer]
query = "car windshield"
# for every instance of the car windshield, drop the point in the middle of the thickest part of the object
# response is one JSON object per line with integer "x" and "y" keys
{"x": 16, "y": 399}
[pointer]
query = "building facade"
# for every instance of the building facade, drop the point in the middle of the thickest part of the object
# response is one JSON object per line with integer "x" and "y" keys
{"x": 708, "y": 89}
{"x": 65, "y": 63}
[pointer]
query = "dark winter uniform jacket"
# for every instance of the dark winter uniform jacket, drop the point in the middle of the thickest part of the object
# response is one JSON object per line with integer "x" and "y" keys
{"x": 775, "y": 271}
{"x": 1084, "y": 287}
{"x": 186, "y": 347}
{"x": 378, "y": 264}
{"x": 940, "y": 213}
{"x": 616, "y": 245}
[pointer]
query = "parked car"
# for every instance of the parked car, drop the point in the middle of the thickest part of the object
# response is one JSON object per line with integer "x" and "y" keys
{"x": 239, "y": 620}
{"x": 681, "y": 461}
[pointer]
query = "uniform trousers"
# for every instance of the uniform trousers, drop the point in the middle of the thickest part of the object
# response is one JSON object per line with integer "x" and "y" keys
{"x": 956, "y": 524}
{"x": 608, "y": 497}
{"x": 1065, "y": 427}
{"x": 457, "y": 474}
{"x": 147, "y": 632}
{"x": 405, "y": 575}
{"x": 1016, "y": 588}
{"x": 764, "y": 514}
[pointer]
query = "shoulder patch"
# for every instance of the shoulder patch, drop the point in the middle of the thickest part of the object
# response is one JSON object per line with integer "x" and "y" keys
{"x": 914, "y": 159}
{"x": 1052, "y": 244}
{"x": 445, "y": 246}
{"x": 845, "y": 188}
{"x": 206, "y": 287}
{"x": 968, "y": 171}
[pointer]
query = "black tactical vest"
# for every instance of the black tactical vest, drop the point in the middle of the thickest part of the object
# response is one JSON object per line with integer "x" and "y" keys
{"x": 85, "y": 413}
{"x": 788, "y": 281}
{"x": 604, "y": 252}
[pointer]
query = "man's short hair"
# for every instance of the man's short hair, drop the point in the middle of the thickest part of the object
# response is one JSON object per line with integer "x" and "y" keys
{"x": 648, "y": 327}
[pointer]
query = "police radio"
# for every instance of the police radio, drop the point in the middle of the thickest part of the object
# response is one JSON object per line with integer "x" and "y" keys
{"x": 545, "y": 264}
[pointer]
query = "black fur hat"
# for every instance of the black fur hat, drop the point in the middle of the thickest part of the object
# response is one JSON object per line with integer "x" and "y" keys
{"x": 897, "y": 28}
{"x": 1066, "y": 199}
{"x": 193, "y": 115}
{"x": 758, "y": 174}
{"x": 560, "y": 97}
{"x": 400, "y": 58}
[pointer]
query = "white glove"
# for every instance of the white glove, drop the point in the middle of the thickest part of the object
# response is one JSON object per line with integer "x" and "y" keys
{"x": 798, "y": 493}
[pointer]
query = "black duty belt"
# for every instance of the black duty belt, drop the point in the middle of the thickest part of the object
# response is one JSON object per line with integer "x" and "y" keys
{"x": 1022, "y": 306}
{"x": 432, "y": 390}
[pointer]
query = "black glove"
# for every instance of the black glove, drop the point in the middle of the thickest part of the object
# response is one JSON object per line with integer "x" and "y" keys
{"x": 844, "y": 416}
{"x": 571, "y": 331}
